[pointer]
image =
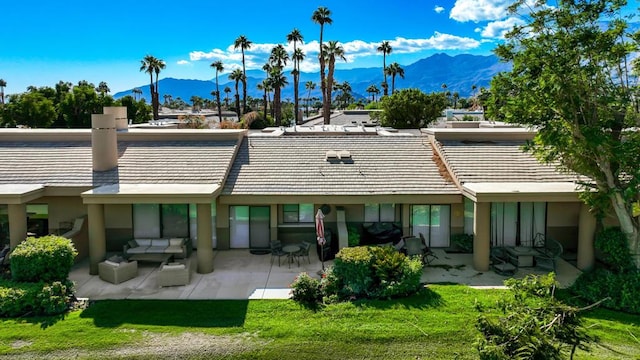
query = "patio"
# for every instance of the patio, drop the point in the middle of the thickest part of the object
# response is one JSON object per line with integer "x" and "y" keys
{"x": 240, "y": 275}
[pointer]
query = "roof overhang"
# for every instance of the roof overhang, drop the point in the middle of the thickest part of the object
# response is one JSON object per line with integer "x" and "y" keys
{"x": 518, "y": 191}
{"x": 267, "y": 199}
{"x": 20, "y": 193}
{"x": 152, "y": 194}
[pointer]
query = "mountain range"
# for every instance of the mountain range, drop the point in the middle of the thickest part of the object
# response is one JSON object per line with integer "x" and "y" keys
{"x": 459, "y": 72}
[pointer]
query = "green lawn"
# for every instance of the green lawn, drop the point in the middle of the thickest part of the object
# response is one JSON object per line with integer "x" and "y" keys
{"x": 437, "y": 324}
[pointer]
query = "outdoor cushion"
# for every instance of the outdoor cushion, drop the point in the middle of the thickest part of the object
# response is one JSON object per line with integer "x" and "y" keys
{"x": 175, "y": 242}
{"x": 155, "y": 249}
{"x": 173, "y": 250}
{"x": 109, "y": 262}
{"x": 138, "y": 250}
{"x": 160, "y": 242}
{"x": 132, "y": 243}
{"x": 116, "y": 259}
{"x": 143, "y": 242}
{"x": 173, "y": 267}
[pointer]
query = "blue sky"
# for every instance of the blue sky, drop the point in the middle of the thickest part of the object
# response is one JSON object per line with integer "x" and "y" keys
{"x": 46, "y": 41}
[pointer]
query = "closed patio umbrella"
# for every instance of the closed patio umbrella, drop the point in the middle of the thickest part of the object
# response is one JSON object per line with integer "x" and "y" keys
{"x": 320, "y": 234}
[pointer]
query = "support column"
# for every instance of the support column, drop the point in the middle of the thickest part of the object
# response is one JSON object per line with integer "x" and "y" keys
{"x": 481, "y": 235}
{"x": 273, "y": 223}
{"x": 97, "y": 236}
{"x": 17, "y": 224}
{"x": 204, "y": 252}
{"x": 586, "y": 234}
{"x": 406, "y": 219}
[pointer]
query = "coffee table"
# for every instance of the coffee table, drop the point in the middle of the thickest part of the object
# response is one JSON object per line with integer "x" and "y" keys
{"x": 151, "y": 257}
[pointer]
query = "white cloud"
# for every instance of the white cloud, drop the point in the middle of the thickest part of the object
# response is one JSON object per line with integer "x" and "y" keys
{"x": 479, "y": 10}
{"x": 498, "y": 29}
{"x": 438, "y": 9}
{"x": 183, "y": 62}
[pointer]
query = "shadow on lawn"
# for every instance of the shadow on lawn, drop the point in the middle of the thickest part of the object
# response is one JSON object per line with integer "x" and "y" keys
{"x": 424, "y": 299}
{"x": 205, "y": 313}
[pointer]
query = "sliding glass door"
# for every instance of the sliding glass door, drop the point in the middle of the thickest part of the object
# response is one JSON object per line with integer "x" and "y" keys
{"x": 433, "y": 222}
{"x": 516, "y": 224}
{"x": 249, "y": 227}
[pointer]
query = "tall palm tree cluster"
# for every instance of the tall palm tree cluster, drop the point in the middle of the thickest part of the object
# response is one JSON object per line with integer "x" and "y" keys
{"x": 152, "y": 65}
{"x": 275, "y": 79}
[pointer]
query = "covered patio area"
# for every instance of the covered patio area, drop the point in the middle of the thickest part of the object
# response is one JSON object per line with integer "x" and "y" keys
{"x": 241, "y": 275}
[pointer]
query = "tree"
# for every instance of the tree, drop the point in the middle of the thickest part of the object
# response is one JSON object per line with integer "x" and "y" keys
{"x": 394, "y": 69}
{"x": 385, "y": 48}
{"x": 152, "y": 65}
{"x": 138, "y": 111}
{"x": 331, "y": 51}
{"x": 103, "y": 88}
{"x": 31, "y": 109}
{"x": 321, "y": 16}
{"x": 136, "y": 93}
{"x": 237, "y": 76}
{"x": 571, "y": 80}
{"x": 455, "y": 97}
{"x": 277, "y": 80}
{"x": 295, "y": 36}
{"x": 411, "y": 109}
{"x": 309, "y": 85}
{"x": 244, "y": 44}
{"x": 227, "y": 90}
{"x": 3, "y": 83}
{"x": 373, "y": 90}
{"x": 217, "y": 65}
{"x": 80, "y": 103}
{"x": 265, "y": 86}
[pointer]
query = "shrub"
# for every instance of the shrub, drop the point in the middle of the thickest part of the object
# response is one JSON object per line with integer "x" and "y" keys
{"x": 375, "y": 272}
{"x": 623, "y": 289}
{"x": 47, "y": 259}
{"x": 614, "y": 249}
{"x": 34, "y": 299}
{"x": 354, "y": 236}
{"x": 306, "y": 290}
{"x": 463, "y": 241}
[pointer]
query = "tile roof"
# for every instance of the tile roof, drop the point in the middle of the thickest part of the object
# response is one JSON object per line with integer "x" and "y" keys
{"x": 497, "y": 161}
{"x": 296, "y": 165}
{"x": 154, "y": 162}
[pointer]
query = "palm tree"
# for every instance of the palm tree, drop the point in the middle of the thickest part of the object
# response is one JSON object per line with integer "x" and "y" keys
{"x": 385, "y": 48}
{"x": 237, "y": 76}
{"x": 103, "y": 88}
{"x": 3, "y": 83}
{"x": 166, "y": 99}
{"x": 153, "y": 65}
{"x": 244, "y": 44}
{"x": 265, "y": 86}
{"x": 456, "y": 96}
{"x": 394, "y": 69}
{"x": 277, "y": 81}
{"x": 227, "y": 91}
{"x": 217, "y": 65}
{"x": 373, "y": 90}
{"x": 321, "y": 16}
{"x": 309, "y": 85}
{"x": 136, "y": 93}
{"x": 331, "y": 51}
{"x": 278, "y": 56}
{"x": 297, "y": 56}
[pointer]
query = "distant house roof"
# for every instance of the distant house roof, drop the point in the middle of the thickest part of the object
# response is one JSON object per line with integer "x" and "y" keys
{"x": 299, "y": 165}
{"x": 497, "y": 161}
{"x": 69, "y": 163}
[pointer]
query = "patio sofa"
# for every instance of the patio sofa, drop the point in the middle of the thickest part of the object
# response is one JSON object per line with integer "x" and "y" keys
{"x": 179, "y": 247}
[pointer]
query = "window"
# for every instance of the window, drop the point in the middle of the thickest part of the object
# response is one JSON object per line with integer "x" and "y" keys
{"x": 160, "y": 220}
{"x": 298, "y": 213}
{"x": 379, "y": 212}
{"x": 468, "y": 216}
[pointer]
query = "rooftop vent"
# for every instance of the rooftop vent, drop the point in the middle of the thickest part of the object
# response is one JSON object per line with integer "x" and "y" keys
{"x": 344, "y": 154}
{"x": 331, "y": 155}
{"x": 338, "y": 155}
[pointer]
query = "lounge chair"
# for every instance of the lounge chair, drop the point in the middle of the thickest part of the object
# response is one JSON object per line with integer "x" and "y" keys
{"x": 276, "y": 250}
{"x": 414, "y": 247}
{"x": 429, "y": 255}
{"x": 304, "y": 251}
{"x": 503, "y": 262}
{"x": 548, "y": 251}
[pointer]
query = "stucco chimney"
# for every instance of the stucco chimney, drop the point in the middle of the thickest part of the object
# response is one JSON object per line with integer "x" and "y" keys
{"x": 104, "y": 142}
{"x": 120, "y": 112}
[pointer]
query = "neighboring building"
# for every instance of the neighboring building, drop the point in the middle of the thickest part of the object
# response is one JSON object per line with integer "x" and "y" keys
{"x": 237, "y": 189}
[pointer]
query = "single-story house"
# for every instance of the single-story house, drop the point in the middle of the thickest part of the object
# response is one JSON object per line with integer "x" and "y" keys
{"x": 240, "y": 189}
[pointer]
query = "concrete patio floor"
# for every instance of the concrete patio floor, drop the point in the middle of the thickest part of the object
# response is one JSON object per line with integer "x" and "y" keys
{"x": 239, "y": 274}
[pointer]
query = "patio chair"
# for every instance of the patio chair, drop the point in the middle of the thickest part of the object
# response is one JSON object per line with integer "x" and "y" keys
{"x": 429, "y": 255}
{"x": 304, "y": 251}
{"x": 276, "y": 250}
{"x": 4, "y": 257}
{"x": 414, "y": 248}
{"x": 503, "y": 262}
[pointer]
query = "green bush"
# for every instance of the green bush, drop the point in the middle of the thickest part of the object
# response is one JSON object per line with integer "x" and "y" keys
{"x": 306, "y": 290}
{"x": 354, "y": 236}
{"x": 614, "y": 249}
{"x": 35, "y": 299}
{"x": 623, "y": 289}
{"x": 375, "y": 272}
{"x": 47, "y": 259}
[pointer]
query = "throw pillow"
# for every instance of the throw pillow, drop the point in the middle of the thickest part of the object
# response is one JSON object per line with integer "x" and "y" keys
{"x": 173, "y": 267}
{"x": 132, "y": 243}
{"x": 109, "y": 262}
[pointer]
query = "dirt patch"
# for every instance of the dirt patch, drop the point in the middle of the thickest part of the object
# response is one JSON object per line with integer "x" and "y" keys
{"x": 20, "y": 344}
{"x": 163, "y": 346}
